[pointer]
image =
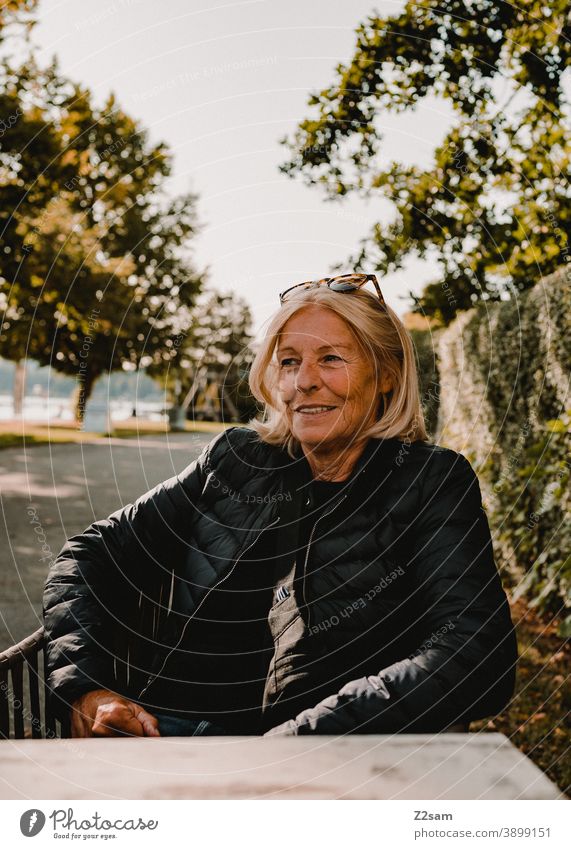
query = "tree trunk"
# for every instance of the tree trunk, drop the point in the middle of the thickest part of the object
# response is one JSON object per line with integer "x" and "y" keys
{"x": 19, "y": 389}
{"x": 227, "y": 402}
{"x": 177, "y": 419}
{"x": 81, "y": 394}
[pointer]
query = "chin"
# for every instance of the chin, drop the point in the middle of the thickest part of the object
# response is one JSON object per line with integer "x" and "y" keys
{"x": 315, "y": 435}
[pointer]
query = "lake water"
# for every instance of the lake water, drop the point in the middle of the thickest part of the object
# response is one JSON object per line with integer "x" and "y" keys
{"x": 49, "y": 409}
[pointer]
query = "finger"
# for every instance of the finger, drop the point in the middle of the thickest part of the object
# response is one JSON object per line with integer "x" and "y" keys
{"x": 115, "y": 728}
{"x": 149, "y": 722}
{"x": 132, "y": 728}
{"x": 114, "y": 720}
{"x": 77, "y": 726}
{"x": 80, "y": 724}
{"x": 104, "y": 728}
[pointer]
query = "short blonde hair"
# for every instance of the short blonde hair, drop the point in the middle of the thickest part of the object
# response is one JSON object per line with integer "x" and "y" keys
{"x": 377, "y": 329}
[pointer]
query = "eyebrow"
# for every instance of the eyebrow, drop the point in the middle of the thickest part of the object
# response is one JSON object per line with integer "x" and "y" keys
{"x": 321, "y": 348}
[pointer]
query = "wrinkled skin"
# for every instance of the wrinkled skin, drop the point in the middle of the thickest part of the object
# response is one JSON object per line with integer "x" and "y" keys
{"x": 102, "y": 713}
{"x": 321, "y": 362}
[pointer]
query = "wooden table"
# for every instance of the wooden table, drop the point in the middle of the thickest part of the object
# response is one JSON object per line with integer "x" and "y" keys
{"x": 411, "y": 766}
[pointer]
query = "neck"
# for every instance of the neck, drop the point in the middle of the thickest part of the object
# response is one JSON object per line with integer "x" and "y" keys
{"x": 329, "y": 463}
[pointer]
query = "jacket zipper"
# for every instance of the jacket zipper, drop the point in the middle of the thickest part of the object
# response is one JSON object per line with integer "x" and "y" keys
{"x": 153, "y": 678}
{"x": 323, "y": 516}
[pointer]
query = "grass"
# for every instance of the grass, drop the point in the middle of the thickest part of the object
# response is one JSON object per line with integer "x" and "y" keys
{"x": 19, "y": 434}
{"x": 537, "y": 718}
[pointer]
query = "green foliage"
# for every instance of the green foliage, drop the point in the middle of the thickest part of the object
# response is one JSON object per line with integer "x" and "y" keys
{"x": 31, "y": 175}
{"x": 540, "y": 530}
{"x": 513, "y": 383}
{"x": 494, "y": 204}
{"x": 428, "y": 376}
{"x": 16, "y": 15}
{"x": 215, "y": 344}
{"x": 222, "y": 331}
{"x": 96, "y": 272}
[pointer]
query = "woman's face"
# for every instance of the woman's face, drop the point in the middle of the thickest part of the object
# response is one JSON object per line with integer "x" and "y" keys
{"x": 326, "y": 381}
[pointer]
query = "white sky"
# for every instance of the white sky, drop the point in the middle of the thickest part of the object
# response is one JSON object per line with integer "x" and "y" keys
{"x": 220, "y": 82}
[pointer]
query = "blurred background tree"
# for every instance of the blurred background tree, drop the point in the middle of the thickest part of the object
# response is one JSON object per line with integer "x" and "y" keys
{"x": 97, "y": 260}
{"x": 493, "y": 208}
{"x": 30, "y": 176}
{"x": 204, "y": 373}
{"x": 16, "y": 17}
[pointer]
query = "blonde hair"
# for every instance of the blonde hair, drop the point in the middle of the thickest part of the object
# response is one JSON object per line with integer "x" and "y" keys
{"x": 377, "y": 329}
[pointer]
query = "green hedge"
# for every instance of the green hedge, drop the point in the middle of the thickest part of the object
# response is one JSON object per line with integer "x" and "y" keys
{"x": 428, "y": 376}
{"x": 503, "y": 392}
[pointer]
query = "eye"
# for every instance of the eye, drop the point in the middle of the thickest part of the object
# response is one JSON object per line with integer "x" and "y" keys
{"x": 287, "y": 361}
{"x": 332, "y": 357}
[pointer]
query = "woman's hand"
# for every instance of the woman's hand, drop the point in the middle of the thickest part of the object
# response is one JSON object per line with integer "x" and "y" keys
{"x": 286, "y": 729}
{"x": 102, "y": 713}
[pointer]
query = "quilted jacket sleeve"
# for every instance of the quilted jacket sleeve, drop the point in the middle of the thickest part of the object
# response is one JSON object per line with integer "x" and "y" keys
{"x": 464, "y": 667}
{"x": 93, "y": 566}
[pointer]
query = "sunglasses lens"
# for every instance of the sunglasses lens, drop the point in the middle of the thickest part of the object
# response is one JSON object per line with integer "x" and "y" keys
{"x": 343, "y": 285}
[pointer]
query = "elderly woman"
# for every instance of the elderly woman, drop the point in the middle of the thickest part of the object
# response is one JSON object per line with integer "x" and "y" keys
{"x": 326, "y": 570}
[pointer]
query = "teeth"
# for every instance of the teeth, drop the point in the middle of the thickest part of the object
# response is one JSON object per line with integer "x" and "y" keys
{"x": 315, "y": 409}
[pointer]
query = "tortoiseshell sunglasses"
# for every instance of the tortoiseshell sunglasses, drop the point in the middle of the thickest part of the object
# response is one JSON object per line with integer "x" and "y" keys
{"x": 342, "y": 283}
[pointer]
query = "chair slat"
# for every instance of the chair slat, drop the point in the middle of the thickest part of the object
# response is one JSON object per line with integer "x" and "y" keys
{"x": 18, "y": 705}
{"x": 34, "y": 681}
{"x": 31, "y": 652}
{"x": 4, "y": 705}
{"x": 48, "y": 712}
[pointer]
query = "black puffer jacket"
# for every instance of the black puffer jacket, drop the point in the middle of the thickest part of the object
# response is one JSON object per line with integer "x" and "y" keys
{"x": 402, "y": 605}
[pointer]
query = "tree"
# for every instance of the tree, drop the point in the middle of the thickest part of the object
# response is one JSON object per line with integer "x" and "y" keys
{"x": 100, "y": 266}
{"x": 213, "y": 349}
{"x": 494, "y": 206}
{"x": 16, "y": 15}
{"x": 31, "y": 175}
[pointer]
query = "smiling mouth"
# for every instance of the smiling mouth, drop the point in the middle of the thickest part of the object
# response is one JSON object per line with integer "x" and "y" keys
{"x": 314, "y": 411}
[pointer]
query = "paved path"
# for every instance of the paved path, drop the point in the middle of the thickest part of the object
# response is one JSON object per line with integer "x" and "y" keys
{"x": 51, "y": 492}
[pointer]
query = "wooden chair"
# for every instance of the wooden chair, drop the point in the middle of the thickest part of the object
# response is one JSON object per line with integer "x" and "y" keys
{"x": 24, "y": 706}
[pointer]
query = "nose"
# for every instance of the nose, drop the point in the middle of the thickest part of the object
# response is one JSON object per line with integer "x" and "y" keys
{"x": 307, "y": 376}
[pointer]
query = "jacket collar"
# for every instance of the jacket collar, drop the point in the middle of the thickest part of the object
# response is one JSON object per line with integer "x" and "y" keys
{"x": 375, "y": 463}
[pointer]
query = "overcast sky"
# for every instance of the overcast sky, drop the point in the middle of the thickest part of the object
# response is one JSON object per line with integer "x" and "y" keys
{"x": 221, "y": 83}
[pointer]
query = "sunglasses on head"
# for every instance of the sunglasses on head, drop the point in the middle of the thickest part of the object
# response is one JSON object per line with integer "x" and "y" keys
{"x": 342, "y": 283}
